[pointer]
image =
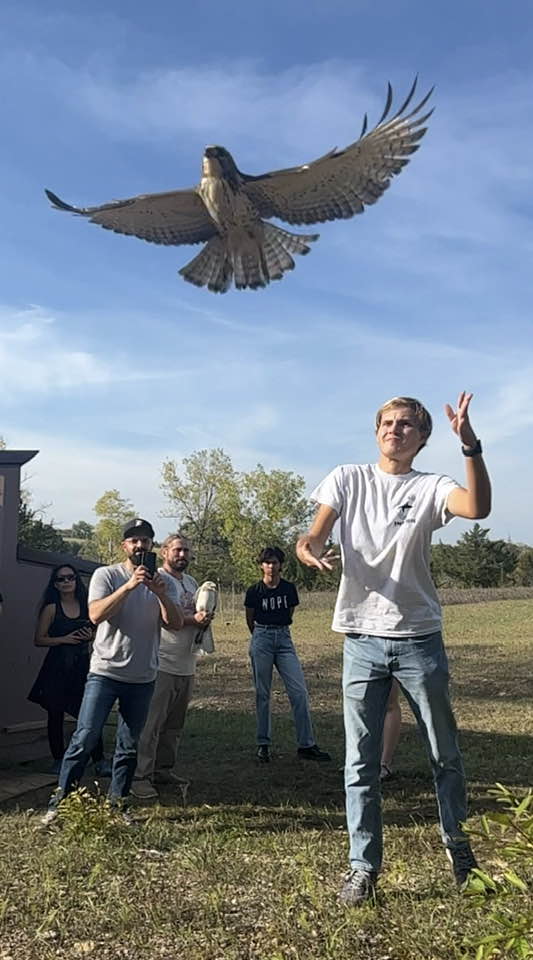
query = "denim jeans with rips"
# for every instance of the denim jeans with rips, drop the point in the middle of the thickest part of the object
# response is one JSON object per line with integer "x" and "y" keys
{"x": 99, "y": 696}
{"x": 420, "y": 666}
{"x": 272, "y": 647}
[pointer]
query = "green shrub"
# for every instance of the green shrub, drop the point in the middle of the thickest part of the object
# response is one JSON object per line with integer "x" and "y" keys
{"x": 507, "y": 897}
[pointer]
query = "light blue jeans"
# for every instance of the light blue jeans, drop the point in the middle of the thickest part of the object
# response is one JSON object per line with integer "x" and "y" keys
{"x": 420, "y": 666}
{"x": 272, "y": 647}
{"x": 99, "y": 696}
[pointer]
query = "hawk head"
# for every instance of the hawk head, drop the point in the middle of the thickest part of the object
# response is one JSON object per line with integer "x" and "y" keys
{"x": 218, "y": 162}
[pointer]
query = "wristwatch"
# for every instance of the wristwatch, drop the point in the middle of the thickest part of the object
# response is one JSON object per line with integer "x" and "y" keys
{"x": 474, "y": 451}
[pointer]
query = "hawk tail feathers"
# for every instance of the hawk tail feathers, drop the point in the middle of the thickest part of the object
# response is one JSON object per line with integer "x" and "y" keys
{"x": 211, "y": 268}
{"x": 252, "y": 260}
{"x": 279, "y": 244}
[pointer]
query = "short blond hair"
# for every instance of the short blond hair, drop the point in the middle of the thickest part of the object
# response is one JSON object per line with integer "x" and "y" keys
{"x": 421, "y": 415}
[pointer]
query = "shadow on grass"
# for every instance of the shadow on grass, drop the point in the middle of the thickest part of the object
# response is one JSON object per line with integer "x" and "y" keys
{"x": 289, "y": 793}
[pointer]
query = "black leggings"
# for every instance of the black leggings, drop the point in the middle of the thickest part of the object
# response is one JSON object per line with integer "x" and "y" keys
{"x": 56, "y": 737}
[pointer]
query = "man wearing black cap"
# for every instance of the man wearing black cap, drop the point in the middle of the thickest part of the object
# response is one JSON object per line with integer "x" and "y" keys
{"x": 128, "y": 605}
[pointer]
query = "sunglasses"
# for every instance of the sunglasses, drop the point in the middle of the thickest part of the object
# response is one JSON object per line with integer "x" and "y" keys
{"x": 68, "y": 578}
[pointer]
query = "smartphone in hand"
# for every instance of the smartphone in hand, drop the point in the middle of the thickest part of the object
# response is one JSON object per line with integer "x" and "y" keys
{"x": 149, "y": 560}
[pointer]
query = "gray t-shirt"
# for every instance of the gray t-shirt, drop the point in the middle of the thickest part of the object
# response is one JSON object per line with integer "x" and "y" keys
{"x": 126, "y": 646}
{"x": 178, "y": 651}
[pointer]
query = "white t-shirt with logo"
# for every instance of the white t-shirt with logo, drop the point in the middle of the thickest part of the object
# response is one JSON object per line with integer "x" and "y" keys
{"x": 178, "y": 650}
{"x": 386, "y": 522}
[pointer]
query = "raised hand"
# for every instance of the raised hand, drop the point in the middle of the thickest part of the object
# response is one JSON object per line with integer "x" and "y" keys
{"x": 460, "y": 420}
{"x": 140, "y": 575}
{"x": 156, "y": 584}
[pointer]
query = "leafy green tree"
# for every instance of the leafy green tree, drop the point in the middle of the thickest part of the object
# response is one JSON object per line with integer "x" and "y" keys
{"x": 194, "y": 498}
{"x": 82, "y": 530}
{"x": 483, "y": 562}
{"x": 523, "y": 572}
{"x": 34, "y": 532}
{"x": 230, "y": 516}
{"x": 445, "y": 565}
{"x": 474, "y": 561}
{"x": 112, "y": 511}
{"x": 262, "y": 508}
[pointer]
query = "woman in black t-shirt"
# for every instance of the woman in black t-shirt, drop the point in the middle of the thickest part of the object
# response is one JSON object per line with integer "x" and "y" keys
{"x": 269, "y": 607}
{"x": 65, "y": 628}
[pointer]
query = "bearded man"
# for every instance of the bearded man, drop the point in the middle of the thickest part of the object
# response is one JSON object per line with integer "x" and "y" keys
{"x": 178, "y": 656}
{"x": 128, "y": 604}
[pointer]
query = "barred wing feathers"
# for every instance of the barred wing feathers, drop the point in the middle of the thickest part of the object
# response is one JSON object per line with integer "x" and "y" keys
{"x": 172, "y": 218}
{"x": 341, "y": 183}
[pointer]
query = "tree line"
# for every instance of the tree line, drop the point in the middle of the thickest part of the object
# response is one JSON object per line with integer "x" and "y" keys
{"x": 229, "y": 515}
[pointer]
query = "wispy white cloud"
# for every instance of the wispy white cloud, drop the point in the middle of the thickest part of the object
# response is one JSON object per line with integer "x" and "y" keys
{"x": 35, "y": 357}
{"x": 69, "y": 481}
{"x": 453, "y": 223}
{"x": 427, "y": 293}
{"x": 238, "y": 99}
{"x": 40, "y": 352}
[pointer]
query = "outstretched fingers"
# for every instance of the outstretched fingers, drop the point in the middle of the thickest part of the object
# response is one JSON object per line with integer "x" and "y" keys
{"x": 328, "y": 560}
{"x": 457, "y": 417}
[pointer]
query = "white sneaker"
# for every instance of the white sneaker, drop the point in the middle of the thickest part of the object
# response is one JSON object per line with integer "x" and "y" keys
{"x": 48, "y": 818}
{"x": 143, "y": 790}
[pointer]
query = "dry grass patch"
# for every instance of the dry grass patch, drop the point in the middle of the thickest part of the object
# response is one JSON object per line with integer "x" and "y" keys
{"x": 249, "y": 869}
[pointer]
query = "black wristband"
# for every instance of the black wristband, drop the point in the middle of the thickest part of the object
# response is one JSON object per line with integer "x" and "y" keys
{"x": 474, "y": 451}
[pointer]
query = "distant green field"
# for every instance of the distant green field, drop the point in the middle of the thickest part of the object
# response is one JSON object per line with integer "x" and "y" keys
{"x": 250, "y": 867}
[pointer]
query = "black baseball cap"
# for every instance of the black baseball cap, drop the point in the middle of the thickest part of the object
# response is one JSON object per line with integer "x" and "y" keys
{"x": 137, "y": 527}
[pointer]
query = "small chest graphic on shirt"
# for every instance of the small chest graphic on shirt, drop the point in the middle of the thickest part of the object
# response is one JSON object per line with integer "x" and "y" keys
{"x": 186, "y": 600}
{"x": 274, "y": 603}
{"x": 404, "y": 514}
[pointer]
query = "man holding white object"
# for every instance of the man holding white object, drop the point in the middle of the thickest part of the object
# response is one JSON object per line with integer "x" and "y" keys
{"x": 178, "y": 656}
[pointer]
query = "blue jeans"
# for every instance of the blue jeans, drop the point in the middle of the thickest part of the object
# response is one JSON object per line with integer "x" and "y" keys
{"x": 272, "y": 647}
{"x": 420, "y": 666}
{"x": 98, "y": 699}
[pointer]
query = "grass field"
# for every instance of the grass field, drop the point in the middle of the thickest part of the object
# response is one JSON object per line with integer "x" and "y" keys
{"x": 250, "y": 867}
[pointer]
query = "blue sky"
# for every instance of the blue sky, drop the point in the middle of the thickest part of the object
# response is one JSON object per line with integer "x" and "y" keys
{"x": 111, "y": 363}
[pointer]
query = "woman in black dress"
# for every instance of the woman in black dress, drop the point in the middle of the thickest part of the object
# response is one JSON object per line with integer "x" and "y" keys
{"x": 65, "y": 628}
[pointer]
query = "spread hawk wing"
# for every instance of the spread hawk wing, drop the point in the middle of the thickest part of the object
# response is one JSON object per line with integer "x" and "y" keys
{"x": 340, "y": 184}
{"x": 178, "y": 216}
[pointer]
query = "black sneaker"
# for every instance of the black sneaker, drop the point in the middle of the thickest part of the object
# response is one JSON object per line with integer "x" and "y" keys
{"x": 263, "y": 753}
{"x": 359, "y": 886}
{"x": 313, "y": 753}
{"x": 463, "y": 862}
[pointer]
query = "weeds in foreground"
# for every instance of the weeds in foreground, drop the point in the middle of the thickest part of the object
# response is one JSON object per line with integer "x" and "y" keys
{"x": 509, "y": 921}
{"x": 86, "y": 815}
{"x": 250, "y": 868}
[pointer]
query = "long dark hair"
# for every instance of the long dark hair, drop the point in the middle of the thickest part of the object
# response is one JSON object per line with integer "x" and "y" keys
{"x": 51, "y": 594}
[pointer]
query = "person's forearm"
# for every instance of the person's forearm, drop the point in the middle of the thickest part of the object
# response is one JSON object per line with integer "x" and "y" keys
{"x": 171, "y": 614}
{"x": 250, "y": 621}
{"x": 478, "y": 488}
{"x": 46, "y": 641}
{"x": 103, "y": 609}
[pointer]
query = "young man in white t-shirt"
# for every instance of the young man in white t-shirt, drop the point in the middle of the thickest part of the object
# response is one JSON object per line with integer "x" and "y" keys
{"x": 178, "y": 656}
{"x": 388, "y": 608}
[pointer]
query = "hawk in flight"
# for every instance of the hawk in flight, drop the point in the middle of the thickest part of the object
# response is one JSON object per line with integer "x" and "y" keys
{"x": 228, "y": 209}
